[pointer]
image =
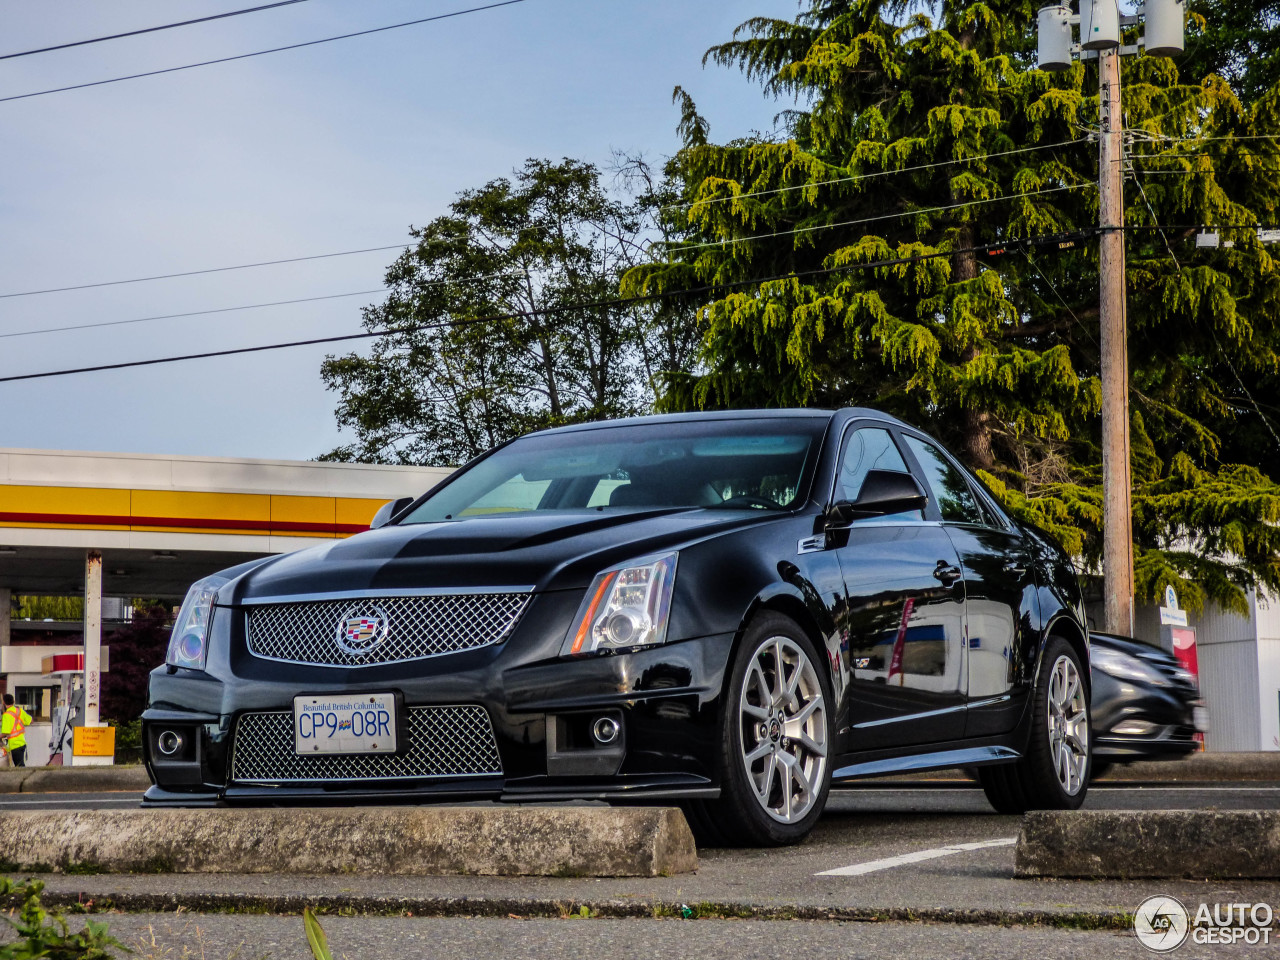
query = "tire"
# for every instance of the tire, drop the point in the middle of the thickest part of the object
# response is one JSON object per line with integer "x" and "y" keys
{"x": 1054, "y": 773}
{"x": 775, "y": 738}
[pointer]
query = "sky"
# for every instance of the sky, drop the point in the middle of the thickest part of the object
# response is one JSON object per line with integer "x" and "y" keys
{"x": 336, "y": 147}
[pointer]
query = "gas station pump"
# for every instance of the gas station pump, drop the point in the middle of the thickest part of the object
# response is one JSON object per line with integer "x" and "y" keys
{"x": 69, "y": 747}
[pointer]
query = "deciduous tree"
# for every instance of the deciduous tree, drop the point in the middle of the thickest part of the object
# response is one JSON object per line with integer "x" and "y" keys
{"x": 504, "y": 317}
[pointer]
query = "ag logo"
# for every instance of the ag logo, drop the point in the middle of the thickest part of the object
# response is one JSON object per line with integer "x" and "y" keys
{"x": 1161, "y": 923}
{"x": 362, "y": 629}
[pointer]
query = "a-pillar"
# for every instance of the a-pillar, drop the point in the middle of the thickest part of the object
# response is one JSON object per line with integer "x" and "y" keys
{"x": 92, "y": 652}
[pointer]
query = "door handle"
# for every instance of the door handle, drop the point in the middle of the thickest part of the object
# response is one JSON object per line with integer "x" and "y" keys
{"x": 947, "y": 573}
{"x": 1015, "y": 568}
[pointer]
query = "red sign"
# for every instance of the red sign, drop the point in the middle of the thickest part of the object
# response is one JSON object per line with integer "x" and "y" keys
{"x": 895, "y": 662}
{"x": 62, "y": 663}
{"x": 1184, "y": 648}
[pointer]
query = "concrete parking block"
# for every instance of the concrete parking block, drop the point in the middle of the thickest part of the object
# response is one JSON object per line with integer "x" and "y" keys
{"x": 1128, "y": 844}
{"x": 423, "y": 841}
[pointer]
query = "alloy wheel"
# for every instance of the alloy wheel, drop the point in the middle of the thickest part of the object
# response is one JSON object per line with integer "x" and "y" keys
{"x": 1068, "y": 725}
{"x": 783, "y": 720}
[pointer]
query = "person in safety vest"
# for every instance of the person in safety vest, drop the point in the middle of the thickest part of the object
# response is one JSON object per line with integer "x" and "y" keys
{"x": 13, "y": 727}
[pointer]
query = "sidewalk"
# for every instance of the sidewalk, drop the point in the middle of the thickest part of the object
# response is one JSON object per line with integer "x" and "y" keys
{"x": 132, "y": 778}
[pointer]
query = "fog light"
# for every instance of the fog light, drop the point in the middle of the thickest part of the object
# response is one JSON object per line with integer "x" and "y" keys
{"x": 605, "y": 730}
{"x": 1133, "y": 728}
{"x": 170, "y": 742}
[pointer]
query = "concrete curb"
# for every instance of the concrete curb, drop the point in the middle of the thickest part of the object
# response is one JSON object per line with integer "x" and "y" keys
{"x": 74, "y": 779}
{"x": 104, "y": 902}
{"x": 413, "y": 841}
{"x": 1196, "y": 767}
{"x": 1168, "y": 844}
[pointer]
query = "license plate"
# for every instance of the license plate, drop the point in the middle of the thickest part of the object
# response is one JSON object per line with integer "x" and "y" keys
{"x": 364, "y": 723}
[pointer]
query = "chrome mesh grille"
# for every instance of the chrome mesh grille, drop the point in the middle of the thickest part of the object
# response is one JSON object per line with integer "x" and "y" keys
{"x": 454, "y": 741}
{"x": 416, "y": 627}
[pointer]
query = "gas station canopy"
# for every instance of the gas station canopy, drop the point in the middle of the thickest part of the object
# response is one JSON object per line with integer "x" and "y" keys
{"x": 162, "y": 522}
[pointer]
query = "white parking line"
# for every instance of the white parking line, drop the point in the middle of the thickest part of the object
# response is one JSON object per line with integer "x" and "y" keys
{"x": 858, "y": 869}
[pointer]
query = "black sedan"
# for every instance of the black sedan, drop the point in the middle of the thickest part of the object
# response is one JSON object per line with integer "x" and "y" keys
{"x": 725, "y": 610}
{"x": 1146, "y": 705}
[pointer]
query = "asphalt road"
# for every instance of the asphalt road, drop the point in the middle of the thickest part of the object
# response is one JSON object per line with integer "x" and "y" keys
{"x": 937, "y": 851}
{"x": 154, "y": 937}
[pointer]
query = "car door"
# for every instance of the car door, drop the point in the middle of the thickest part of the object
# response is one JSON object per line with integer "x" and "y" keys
{"x": 1000, "y": 590}
{"x": 903, "y": 615}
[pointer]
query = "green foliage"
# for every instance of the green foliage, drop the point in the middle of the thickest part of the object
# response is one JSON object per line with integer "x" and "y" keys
{"x": 540, "y": 253}
{"x": 40, "y": 934}
{"x": 49, "y": 608}
{"x": 128, "y": 741}
{"x": 922, "y": 130}
{"x": 316, "y": 939}
{"x": 1236, "y": 39}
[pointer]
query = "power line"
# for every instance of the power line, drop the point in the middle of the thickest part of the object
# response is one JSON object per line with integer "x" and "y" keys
{"x": 247, "y": 306}
{"x": 136, "y": 33}
{"x": 175, "y": 316}
{"x": 876, "y": 219}
{"x": 873, "y": 174}
{"x": 259, "y": 53}
{"x": 194, "y": 273}
{"x": 565, "y": 308}
{"x": 1036, "y": 267}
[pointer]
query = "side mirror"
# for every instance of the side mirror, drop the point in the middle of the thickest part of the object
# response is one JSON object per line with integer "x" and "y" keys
{"x": 883, "y": 492}
{"x": 387, "y": 511}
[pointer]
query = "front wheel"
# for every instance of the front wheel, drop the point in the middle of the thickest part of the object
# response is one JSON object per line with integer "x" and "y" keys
{"x": 775, "y": 742}
{"x": 1054, "y": 774}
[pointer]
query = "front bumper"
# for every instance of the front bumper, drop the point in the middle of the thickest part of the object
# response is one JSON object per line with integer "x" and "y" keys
{"x": 540, "y": 708}
{"x": 1136, "y": 722}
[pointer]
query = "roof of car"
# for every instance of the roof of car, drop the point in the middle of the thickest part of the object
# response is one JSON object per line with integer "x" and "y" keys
{"x": 790, "y": 413}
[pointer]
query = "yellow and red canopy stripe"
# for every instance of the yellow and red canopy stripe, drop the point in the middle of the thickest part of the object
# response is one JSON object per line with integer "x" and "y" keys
{"x": 183, "y": 511}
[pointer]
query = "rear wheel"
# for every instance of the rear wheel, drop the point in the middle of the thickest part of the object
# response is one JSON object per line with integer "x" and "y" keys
{"x": 1054, "y": 774}
{"x": 775, "y": 742}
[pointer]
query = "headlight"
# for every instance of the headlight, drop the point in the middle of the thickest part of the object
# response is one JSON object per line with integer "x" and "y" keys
{"x": 189, "y": 642}
{"x": 1124, "y": 667}
{"x": 626, "y": 607}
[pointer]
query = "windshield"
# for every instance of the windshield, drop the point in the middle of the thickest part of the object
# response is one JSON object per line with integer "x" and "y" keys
{"x": 748, "y": 464}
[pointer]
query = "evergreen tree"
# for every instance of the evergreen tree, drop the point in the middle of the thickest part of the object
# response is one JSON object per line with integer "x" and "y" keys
{"x": 923, "y": 142}
{"x": 1237, "y": 39}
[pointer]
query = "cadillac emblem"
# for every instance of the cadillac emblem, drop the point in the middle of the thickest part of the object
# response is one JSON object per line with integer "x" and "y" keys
{"x": 362, "y": 630}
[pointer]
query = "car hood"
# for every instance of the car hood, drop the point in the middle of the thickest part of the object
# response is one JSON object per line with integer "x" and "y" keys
{"x": 542, "y": 551}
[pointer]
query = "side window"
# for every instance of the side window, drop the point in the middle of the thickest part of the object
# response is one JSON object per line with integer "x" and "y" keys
{"x": 947, "y": 485}
{"x": 869, "y": 449}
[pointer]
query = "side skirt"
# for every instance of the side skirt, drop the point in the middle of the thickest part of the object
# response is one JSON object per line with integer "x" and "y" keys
{"x": 975, "y": 754}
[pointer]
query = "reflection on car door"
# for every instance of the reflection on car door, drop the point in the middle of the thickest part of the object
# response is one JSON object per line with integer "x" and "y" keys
{"x": 1000, "y": 590}
{"x": 903, "y": 616}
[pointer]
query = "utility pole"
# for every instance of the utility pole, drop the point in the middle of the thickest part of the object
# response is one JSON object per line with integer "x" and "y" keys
{"x": 1117, "y": 517}
{"x": 1100, "y": 23}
